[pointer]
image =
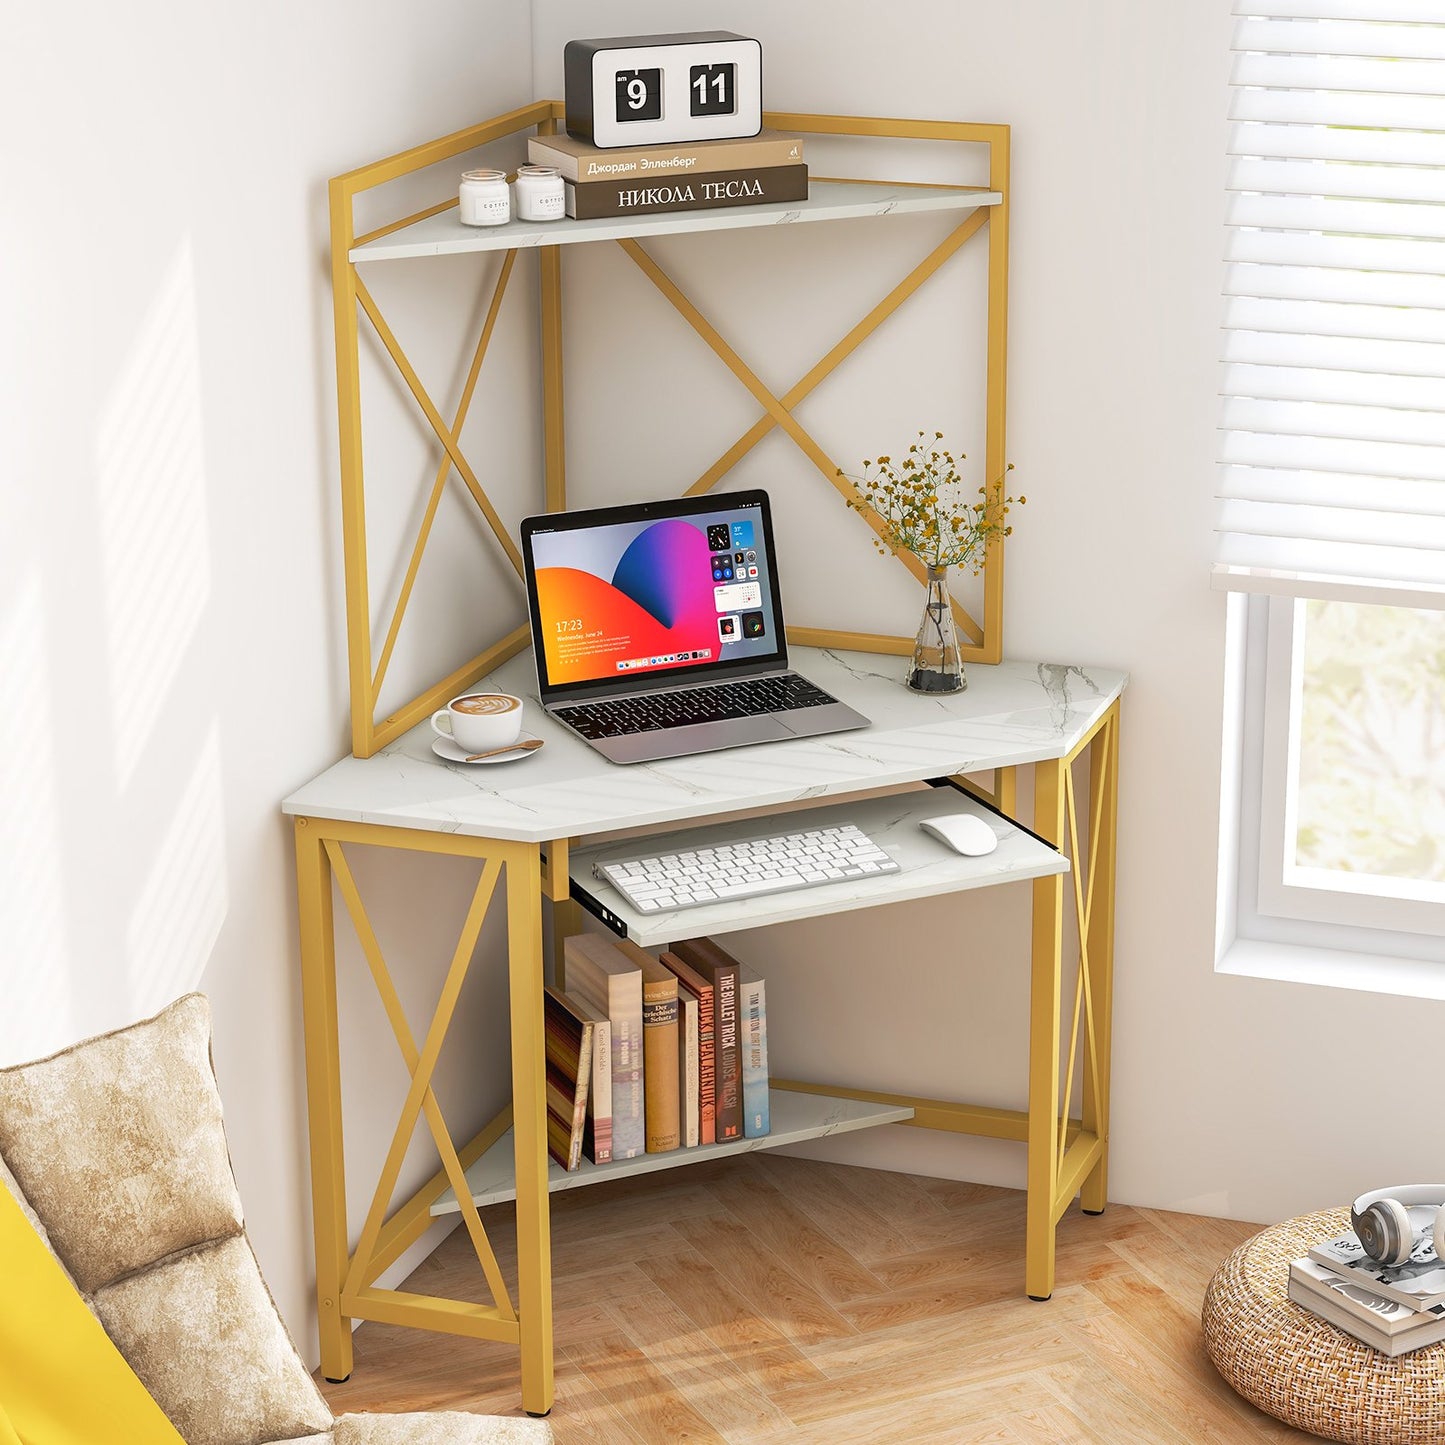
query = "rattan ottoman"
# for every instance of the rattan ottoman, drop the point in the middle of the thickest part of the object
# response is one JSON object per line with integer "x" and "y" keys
{"x": 1304, "y": 1371}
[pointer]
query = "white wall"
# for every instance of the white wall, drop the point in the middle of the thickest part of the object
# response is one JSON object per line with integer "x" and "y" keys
{"x": 170, "y": 585}
{"x": 1231, "y": 1095}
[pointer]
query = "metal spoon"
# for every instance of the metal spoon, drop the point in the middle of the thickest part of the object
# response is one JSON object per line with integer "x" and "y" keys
{"x": 530, "y": 745}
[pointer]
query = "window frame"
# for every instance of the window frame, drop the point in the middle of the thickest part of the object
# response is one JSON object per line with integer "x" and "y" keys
{"x": 1262, "y": 897}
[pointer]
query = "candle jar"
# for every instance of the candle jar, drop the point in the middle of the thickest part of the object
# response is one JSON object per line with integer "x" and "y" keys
{"x": 540, "y": 194}
{"x": 483, "y": 198}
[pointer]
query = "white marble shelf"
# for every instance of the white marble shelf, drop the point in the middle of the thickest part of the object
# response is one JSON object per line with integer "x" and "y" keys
{"x": 1012, "y": 713}
{"x": 927, "y": 867}
{"x": 794, "y": 1117}
{"x": 444, "y": 235}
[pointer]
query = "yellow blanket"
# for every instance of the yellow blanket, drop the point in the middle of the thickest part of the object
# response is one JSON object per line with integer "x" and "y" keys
{"x": 62, "y": 1382}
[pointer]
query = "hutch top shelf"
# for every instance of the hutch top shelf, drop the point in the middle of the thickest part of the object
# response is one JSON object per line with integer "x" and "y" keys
{"x": 974, "y": 209}
{"x": 443, "y": 234}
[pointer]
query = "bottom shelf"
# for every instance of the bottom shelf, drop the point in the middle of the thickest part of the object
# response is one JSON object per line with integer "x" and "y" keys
{"x": 794, "y": 1117}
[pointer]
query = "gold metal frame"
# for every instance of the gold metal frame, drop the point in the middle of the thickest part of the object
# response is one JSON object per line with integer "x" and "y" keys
{"x": 368, "y": 670}
{"x": 1068, "y": 1155}
{"x": 346, "y": 1278}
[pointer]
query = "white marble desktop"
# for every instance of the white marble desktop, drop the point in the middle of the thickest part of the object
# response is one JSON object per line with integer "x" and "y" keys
{"x": 1011, "y": 713}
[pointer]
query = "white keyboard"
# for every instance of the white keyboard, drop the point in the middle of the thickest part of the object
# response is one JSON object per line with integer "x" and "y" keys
{"x": 748, "y": 869}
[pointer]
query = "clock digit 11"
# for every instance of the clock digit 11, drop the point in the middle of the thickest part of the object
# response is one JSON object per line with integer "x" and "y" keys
{"x": 712, "y": 89}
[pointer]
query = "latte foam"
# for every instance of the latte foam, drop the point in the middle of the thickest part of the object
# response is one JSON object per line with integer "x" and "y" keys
{"x": 485, "y": 704}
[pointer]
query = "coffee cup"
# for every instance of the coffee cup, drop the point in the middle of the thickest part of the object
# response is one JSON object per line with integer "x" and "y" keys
{"x": 479, "y": 721}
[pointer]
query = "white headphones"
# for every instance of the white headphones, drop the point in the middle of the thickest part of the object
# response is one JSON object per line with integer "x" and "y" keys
{"x": 1382, "y": 1222}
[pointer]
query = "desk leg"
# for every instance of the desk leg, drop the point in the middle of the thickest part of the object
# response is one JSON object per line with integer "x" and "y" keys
{"x": 529, "y": 1112}
{"x": 323, "y": 1096}
{"x": 1046, "y": 994}
{"x": 1104, "y": 803}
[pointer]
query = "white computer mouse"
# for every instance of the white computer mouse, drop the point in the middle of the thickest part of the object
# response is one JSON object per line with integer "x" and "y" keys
{"x": 965, "y": 833}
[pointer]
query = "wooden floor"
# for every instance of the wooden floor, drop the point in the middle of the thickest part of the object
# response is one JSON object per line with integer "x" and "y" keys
{"x": 763, "y": 1298}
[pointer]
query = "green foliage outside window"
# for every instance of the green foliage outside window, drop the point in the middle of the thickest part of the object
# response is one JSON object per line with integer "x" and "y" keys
{"x": 1371, "y": 788}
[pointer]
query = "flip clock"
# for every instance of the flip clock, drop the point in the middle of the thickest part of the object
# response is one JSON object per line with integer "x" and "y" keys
{"x": 643, "y": 90}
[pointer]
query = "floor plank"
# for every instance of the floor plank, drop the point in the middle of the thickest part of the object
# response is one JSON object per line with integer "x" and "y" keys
{"x": 774, "y": 1301}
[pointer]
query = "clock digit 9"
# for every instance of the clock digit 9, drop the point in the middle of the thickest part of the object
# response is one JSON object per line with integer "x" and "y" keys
{"x": 639, "y": 95}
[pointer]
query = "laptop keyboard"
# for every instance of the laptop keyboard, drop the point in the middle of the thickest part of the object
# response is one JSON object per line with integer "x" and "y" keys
{"x": 720, "y": 702}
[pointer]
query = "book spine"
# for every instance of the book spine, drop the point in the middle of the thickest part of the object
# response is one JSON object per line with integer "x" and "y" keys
{"x": 693, "y": 981}
{"x": 752, "y": 1008}
{"x": 687, "y": 1072}
{"x": 660, "y": 1067}
{"x": 587, "y": 166}
{"x": 597, "y": 1140}
{"x": 625, "y": 1011}
{"x": 754, "y": 186}
{"x": 579, "y": 1106}
{"x": 706, "y": 1070}
{"x": 728, "y": 1061}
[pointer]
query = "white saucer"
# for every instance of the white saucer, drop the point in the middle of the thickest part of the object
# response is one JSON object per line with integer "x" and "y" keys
{"x": 446, "y": 748}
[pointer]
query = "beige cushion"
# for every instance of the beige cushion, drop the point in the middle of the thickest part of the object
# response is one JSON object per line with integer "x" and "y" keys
{"x": 118, "y": 1145}
{"x": 202, "y": 1333}
{"x": 447, "y": 1427}
{"x": 9, "y": 1183}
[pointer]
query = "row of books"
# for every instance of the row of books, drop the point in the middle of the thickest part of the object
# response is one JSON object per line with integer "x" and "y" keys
{"x": 1393, "y": 1309}
{"x": 697, "y": 176}
{"x": 647, "y": 1055}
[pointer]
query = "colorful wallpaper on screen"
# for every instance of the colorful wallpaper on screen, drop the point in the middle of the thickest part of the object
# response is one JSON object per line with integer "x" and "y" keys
{"x": 658, "y": 604}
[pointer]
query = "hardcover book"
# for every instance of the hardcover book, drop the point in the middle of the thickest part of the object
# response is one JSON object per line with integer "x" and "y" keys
{"x": 687, "y": 1080}
{"x": 753, "y": 186}
{"x": 692, "y": 982}
{"x": 661, "y": 1098}
{"x": 568, "y": 1044}
{"x": 576, "y": 160}
{"x": 611, "y": 982}
{"x": 597, "y": 1135}
{"x": 1378, "y": 1311}
{"x": 1331, "y": 1305}
{"x": 1419, "y": 1283}
{"x": 753, "y": 1046}
{"x": 721, "y": 969}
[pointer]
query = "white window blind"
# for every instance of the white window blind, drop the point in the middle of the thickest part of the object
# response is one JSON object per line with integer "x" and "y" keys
{"x": 1332, "y": 481}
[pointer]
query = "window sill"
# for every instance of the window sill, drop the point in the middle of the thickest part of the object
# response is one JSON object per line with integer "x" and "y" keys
{"x": 1333, "y": 968}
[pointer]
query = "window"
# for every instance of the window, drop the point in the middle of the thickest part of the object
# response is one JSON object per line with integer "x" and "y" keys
{"x": 1332, "y": 482}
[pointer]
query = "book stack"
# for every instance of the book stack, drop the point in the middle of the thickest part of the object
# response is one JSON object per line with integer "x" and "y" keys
{"x": 687, "y": 1049}
{"x": 695, "y": 176}
{"x": 1392, "y": 1309}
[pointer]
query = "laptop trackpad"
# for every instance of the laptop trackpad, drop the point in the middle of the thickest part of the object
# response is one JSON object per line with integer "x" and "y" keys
{"x": 704, "y": 738}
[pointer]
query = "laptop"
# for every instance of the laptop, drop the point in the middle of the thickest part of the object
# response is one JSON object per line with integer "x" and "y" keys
{"x": 658, "y": 629}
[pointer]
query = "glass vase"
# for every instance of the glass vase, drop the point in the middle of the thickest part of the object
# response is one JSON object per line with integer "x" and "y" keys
{"x": 937, "y": 666}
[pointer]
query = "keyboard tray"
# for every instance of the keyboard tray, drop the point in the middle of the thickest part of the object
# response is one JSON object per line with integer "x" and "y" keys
{"x": 927, "y": 866}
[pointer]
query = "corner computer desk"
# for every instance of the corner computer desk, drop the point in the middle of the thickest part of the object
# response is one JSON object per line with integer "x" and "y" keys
{"x": 527, "y": 825}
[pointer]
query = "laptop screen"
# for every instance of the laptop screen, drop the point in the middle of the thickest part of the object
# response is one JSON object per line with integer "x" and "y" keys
{"x": 656, "y": 591}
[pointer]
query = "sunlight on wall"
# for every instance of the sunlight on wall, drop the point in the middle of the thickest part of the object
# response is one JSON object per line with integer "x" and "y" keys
{"x": 35, "y": 1014}
{"x": 150, "y": 465}
{"x": 182, "y": 904}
